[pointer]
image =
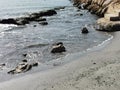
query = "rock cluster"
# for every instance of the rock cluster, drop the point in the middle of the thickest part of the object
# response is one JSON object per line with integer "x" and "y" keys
{"x": 24, "y": 66}
{"x": 109, "y": 10}
{"x": 32, "y": 17}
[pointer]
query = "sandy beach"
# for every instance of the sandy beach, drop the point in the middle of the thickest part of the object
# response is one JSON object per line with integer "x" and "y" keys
{"x": 97, "y": 70}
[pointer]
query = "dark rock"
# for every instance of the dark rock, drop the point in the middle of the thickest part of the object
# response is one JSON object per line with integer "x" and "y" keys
{"x": 22, "y": 21}
{"x": 24, "y": 60}
{"x": 85, "y": 30}
{"x": 34, "y": 64}
{"x": 59, "y": 8}
{"x": 31, "y": 17}
{"x": 43, "y": 23}
{"x": 58, "y": 48}
{"x": 34, "y": 25}
{"x": 8, "y": 21}
{"x": 40, "y": 19}
{"x": 47, "y": 13}
{"x": 22, "y": 67}
{"x": 24, "y": 54}
{"x": 11, "y": 72}
{"x": 114, "y": 19}
{"x": 3, "y": 64}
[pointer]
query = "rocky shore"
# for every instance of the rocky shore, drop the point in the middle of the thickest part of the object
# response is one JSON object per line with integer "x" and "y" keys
{"x": 108, "y": 10}
{"x": 37, "y": 17}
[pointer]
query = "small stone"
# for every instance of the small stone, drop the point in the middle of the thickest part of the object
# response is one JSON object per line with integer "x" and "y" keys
{"x": 24, "y": 60}
{"x": 85, "y": 30}
{"x": 43, "y": 23}
{"x": 25, "y": 55}
{"x": 58, "y": 48}
{"x": 34, "y": 25}
{"x": 35, "y": 64}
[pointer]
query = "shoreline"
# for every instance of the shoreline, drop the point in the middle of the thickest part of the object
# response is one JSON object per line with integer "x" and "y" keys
{"x": 94, "y": 71}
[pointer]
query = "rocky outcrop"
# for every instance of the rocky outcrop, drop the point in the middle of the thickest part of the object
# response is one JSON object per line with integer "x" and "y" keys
{"x": 32, "y": 17}
{"x": 22, "y": 67}
{"x": 58, "y": 48}
{"x": 108, "y": 10}
{"x": 85, "y": 30}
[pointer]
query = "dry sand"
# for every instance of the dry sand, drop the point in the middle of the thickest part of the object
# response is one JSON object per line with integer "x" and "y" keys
{"x": 98, "y": 70}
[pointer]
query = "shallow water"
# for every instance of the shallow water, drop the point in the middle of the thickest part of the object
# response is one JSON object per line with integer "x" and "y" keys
{"x": 37, "y": 41}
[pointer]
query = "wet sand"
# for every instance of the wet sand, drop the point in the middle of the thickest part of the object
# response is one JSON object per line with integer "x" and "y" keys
{"x": 98, "y": 70}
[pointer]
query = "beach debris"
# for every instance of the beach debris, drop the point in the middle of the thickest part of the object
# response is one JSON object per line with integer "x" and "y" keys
{"x": 24, "y": 66}
{"x": 85, "y": 30}
{"x": 58, "y": 48}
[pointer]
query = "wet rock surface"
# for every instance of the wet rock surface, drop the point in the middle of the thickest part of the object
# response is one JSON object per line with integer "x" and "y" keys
{"x": 85, "y": 30}
{"x": 58, "y": 48}
{"x": 22, "y": 67}
{"x": 37, "y": 17}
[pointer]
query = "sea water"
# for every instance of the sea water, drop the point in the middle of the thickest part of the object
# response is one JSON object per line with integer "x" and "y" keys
{"x": 37, "y": 41}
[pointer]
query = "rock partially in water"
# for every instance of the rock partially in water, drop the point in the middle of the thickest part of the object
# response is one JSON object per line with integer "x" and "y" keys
{"x": 2, "y": 65}
{"x": 22, "y": 67}
{"x": 34, "y": 64}
{"x": 43, "y": 23}
{"x": 32, "y": 17}
{"x": 25, "y": 54}
{"x": 22, "y": 21}
{"x": 59, "y": 8}
{"x": 47, "y": 13}
{"x": 85, "y": 30}
{"x": 109, "y": 26}
{"x": 25, "y": 60}
{"x": 8, "y": 21}
{"x": 58, "y": 48}
{"x": 40, "y": 19}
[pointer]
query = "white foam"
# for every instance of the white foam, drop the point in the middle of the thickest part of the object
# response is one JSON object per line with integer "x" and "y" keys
{"x": 4, "y": 27}
{"x": 101, "y": 45}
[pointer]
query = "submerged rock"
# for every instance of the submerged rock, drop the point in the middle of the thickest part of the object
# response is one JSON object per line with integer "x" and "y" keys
{"x": 58, "y": 48}
{"x": 47, "y": 13}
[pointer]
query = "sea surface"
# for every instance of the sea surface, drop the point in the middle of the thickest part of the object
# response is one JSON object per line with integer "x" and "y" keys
{"x": 36, "y": 42}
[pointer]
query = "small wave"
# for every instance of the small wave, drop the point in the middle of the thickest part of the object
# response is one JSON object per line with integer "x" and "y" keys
{"x": 101, "y": 45}
{"x": 4, "y": 27}
{"x": 36, "y": 45}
